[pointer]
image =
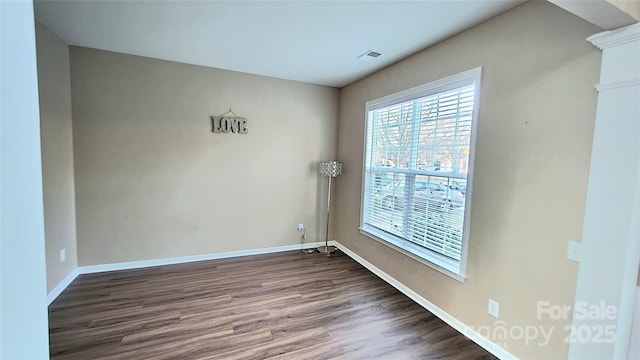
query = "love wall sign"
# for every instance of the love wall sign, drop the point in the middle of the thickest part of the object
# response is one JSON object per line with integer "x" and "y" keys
{"x": 229, "y": 123}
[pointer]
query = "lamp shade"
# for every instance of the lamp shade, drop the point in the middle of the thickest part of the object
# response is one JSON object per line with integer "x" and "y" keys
{"x": 330, "y": 168}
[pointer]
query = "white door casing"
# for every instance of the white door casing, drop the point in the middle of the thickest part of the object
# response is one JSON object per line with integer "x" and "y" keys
{"x": 610, "y": 250}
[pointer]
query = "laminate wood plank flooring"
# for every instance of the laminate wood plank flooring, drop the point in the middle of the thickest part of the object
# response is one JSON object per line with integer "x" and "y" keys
{"x": 288, "y": 305}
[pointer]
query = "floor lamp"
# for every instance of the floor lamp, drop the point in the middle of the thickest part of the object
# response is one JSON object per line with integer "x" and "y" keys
{"x": 331, "y": 169}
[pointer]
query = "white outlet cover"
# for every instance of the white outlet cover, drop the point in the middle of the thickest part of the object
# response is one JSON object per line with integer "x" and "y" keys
{"x": 63, "y": 255}
{"x": 494, "y": 308}
{"x": 573, "y": 250}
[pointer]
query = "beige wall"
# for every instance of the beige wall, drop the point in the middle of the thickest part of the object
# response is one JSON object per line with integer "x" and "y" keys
{"x": 57, "y": 154}
{"x": 535, "y": 128}
{"x": 153, "y": 181}
{"x": 631, "y": 7}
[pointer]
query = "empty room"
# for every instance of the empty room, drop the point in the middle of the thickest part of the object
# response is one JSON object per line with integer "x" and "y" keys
{"x": 320, "y": 179}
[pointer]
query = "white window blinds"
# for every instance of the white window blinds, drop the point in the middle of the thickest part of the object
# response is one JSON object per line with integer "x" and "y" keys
{"x": 417, "y": 163}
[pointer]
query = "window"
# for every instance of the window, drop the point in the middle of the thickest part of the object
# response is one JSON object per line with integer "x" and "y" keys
{"x": 417, "y": 170}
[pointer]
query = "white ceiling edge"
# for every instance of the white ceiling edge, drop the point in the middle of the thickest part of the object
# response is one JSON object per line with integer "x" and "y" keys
{"x": 598, "y": 12}
{"x": 315, "y": 42}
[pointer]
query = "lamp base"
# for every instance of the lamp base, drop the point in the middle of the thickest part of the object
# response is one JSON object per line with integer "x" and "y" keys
{"x": 326, "y": 250}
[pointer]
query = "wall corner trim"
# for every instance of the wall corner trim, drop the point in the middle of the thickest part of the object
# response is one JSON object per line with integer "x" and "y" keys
{"x": 621, "y": 36}
{"x": 617, "y": 85}
{"x": 465, "y": 330}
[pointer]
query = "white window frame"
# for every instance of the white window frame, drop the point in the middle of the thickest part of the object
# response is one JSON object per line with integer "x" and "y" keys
{"x": 451, "y": 267}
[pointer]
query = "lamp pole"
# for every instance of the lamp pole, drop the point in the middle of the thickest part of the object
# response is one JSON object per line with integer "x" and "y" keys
{"x": 331, "y": 169}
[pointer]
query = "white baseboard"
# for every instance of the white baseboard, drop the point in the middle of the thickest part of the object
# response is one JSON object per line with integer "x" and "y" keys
{"x": 187, "y": 259}
{"x": 476, "y": 337}
{"x": 61, "y": 286}
{"x": 176, "y": 260}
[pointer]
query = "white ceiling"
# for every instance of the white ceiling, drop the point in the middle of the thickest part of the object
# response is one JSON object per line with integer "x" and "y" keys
{"x": 310, "y": 41}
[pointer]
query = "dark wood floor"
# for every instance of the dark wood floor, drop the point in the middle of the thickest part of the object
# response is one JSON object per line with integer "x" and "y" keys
{"x": 279, "y": 306}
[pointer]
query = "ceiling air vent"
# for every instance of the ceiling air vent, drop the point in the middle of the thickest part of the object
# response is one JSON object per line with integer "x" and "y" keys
{"x": 369, "y": 55}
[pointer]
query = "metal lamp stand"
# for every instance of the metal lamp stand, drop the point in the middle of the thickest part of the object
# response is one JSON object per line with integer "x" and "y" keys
{"x": 331, "y": 169}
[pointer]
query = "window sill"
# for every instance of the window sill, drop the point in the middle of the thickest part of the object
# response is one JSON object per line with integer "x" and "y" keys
{"x": 442, "y": 264}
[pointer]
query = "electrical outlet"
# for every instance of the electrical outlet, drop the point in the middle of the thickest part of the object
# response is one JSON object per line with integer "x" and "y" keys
{"x": 300, "y": 227}
{"x": 494, "y": 308}
{"x": 63, "y": 255}
{"x": 573, "y": 251}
